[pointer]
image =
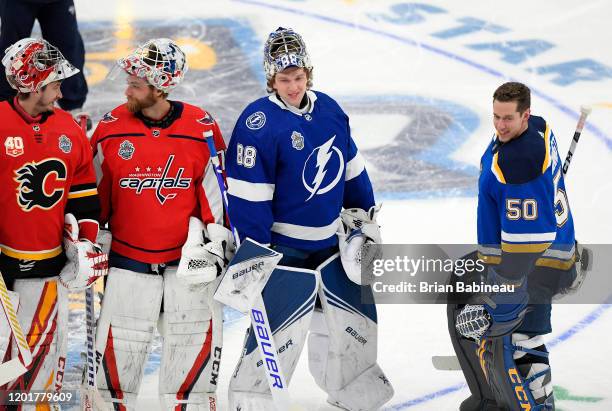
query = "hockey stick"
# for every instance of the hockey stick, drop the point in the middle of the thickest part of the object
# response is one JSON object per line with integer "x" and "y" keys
{"x": 90, "y": 397}
{"x": 16, "y": 367}
{"x": 451, "y": 362}
{"x": 260, "y": 325}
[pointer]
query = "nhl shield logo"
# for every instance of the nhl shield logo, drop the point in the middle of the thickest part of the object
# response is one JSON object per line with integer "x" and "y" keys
{"x": 126, "y": 150}
{"x": 156, "y": 132}
{"x": 297, "y": 140}
{"x": 65, "y": 144}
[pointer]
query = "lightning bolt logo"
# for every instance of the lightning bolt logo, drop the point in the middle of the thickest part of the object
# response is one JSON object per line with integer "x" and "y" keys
{"x": 323, "y": 154}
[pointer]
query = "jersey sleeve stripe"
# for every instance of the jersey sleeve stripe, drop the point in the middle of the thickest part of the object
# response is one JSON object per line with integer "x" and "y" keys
{"x": 497, "y": 172}
{"x": 31, "y": 255}
{"x": 525, "y": 248}
{"x": 528, "y": 237}
{"x": 82, "y": 193}
{"x": 546, "y": 162}
{"x": 354, "y": 167}
{"x": 213, "y": 194}
{"x": 250, "y": 191}
{"x": 306, "y": 233}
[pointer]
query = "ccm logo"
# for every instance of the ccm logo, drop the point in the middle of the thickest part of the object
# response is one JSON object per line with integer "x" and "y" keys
{"x": 519, "y": 390}
{"x": 270, "y": 355}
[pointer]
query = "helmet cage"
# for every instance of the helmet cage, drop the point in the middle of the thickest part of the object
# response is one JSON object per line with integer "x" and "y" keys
{"x": 284, "y": 48}
{"x": 160, "y": 62}
{"x": 31, "y": 64}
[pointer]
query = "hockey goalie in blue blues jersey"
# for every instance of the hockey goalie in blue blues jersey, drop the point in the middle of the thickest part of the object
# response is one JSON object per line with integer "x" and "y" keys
{"x": 297, "y": 182}
{"x": 526, "y": 238}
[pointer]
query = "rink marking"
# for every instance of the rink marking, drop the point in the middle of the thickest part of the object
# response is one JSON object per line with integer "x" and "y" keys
{"x": 566, "y": 335}
{"x": 572, "y": 113}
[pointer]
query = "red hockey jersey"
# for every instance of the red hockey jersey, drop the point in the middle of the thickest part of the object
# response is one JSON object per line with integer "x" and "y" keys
{"x": 153, "y": 176}
{"x": 46, "y": 170}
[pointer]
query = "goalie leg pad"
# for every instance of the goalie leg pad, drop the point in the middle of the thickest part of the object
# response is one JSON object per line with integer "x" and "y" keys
{"x": 289, "y": 297}
{"x": 124, "y": 333}
{"x": 518, "y": 372}
{"x": 38, "y": 315}
{"x": 343, "y": 351}
{"x": 192, "y": 341}
{"x": 5, "y": 328}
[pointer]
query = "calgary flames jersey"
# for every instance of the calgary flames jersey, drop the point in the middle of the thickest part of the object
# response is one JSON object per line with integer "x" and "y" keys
{"x": 46, "y": 171}
{"x": 152, "y": 176}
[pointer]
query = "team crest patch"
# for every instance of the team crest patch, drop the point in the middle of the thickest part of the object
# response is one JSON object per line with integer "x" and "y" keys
{"x": 126, "y": 150}
{"x": 297, "y": 140}
{"x": 65, "y": 144}
{"x": 207, "y": 119}
{"x": 256, "y": 120}
{"x": 13, "y": 146}
{"x": 108, "y": 118}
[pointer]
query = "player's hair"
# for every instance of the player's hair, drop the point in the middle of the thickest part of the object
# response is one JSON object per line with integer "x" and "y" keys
{"x": 270, "y": 83}
{"x": 514, "y": 91}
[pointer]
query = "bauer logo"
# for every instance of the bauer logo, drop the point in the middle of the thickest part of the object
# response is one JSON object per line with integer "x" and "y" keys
{"x": 270, "y": 358}
{"x": 256, "y": 120}
{"x": 255, "y": 267}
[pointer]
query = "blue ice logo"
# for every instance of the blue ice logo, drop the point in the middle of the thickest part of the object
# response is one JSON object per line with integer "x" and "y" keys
{"x": 324, "y": 158}
{"x": 256, "y": 120}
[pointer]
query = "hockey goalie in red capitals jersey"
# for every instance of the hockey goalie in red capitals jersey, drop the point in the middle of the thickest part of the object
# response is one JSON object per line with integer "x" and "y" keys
{"x": 47, "y": 177}
{"x": 156, "y": 187}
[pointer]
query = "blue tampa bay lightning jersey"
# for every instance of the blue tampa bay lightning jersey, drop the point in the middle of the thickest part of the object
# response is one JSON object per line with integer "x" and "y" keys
{"x": 291, "y": 171}
{"x": 523, "y": 211}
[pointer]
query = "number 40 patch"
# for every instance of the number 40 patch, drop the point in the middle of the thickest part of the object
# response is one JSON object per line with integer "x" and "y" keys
{"x": 13, "y": 146}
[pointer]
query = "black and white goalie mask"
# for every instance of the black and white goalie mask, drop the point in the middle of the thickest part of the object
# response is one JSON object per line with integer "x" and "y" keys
{"x": 284, "y": 48}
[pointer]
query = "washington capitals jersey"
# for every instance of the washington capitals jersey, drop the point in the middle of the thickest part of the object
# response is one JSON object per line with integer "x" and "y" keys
{"x": 291, "y": 172}
{"x": 523, "y": 210}
{"x": 46, "y": 171}
{"x": 153, "y": 176}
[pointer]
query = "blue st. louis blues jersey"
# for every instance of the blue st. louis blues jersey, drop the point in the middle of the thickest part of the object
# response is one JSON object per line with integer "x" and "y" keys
{"x": 524, "y": 217}
{"x": 290, "y": 173}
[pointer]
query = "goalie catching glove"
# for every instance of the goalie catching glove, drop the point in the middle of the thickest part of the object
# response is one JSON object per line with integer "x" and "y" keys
{"x": 359, "y": 229}
{"x": 206, "y": 253}
{"x": 86, "y": 260}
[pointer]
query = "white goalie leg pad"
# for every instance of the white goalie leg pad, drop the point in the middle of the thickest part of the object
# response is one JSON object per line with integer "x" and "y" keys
{"x": 343, "y": 350}
{"x": 192, "y": 340}
{"x": 124, "y": 333}
{"x": 5, "y": 328}
{"x": 289, "y": 297}
{"x": 38, "y": 314}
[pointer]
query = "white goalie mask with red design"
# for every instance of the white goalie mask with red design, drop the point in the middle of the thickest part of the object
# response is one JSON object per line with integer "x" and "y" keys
{"x": 31, "y": 64}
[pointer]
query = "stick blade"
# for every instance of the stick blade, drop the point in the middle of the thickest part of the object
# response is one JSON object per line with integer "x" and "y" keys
{"x": 446, "y": 363}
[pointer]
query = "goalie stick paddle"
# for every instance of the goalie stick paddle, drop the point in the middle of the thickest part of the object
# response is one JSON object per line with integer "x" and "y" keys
{"x": 451, "y": 362}
{"x": 90, "y": 397}
{"x": 17, "y": 366}
{"x": 260, "y": 324}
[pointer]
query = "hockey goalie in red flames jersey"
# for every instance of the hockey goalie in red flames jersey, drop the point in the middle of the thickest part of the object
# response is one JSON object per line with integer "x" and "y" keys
{"x": 164, "y": 209}
{"x": 47, "y": 179}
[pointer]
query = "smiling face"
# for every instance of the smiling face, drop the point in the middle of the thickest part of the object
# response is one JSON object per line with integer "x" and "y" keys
{"x": 508, "y": 121}
{"x": 291, "y": 85}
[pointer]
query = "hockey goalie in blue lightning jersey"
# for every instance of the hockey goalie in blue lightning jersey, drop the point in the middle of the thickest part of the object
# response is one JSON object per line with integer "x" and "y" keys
{"x": 526, "y": 238}
{"x": 297, "y": 182}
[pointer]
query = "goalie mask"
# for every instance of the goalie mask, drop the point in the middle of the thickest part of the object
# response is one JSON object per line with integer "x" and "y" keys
{"x": 31, "y": 64}
{"x": 284, "y": 48}
{"x": 160, "y": 62}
